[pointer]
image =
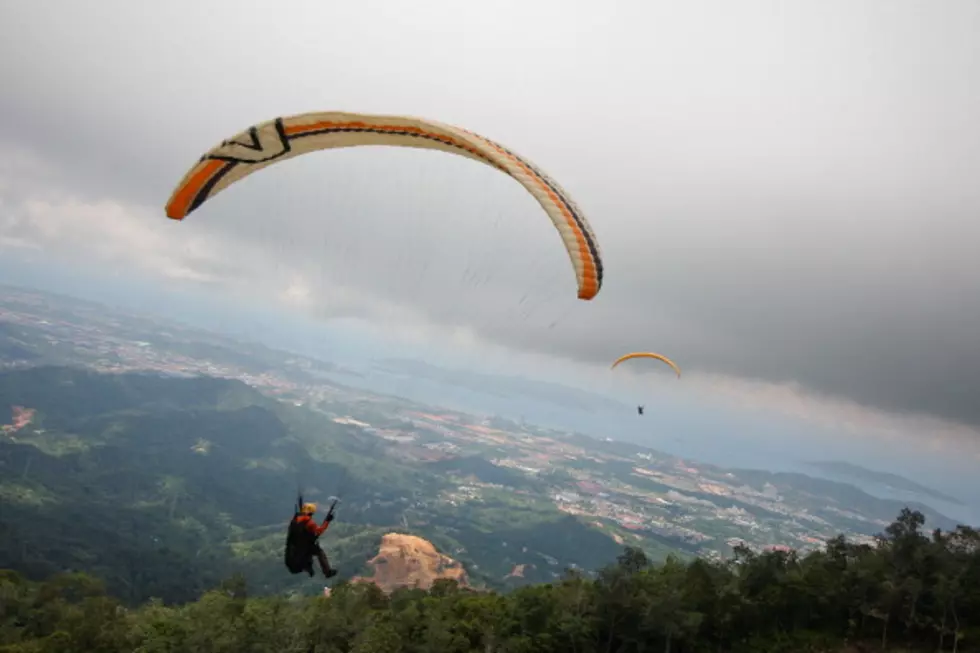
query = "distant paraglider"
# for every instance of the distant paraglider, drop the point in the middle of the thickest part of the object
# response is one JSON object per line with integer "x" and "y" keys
{"x": 286, "y": 137}
{"x": 647, "y": 354}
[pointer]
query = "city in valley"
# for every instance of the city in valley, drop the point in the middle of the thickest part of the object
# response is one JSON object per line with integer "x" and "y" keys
{"x": 636, "y": 495}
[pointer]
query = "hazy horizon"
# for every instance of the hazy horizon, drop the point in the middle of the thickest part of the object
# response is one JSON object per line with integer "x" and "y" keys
{"x": 727, "y": 436}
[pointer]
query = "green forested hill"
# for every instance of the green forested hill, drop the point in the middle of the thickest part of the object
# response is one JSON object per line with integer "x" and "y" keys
{"x": 163, "y": 486}
{"x": 154, "y": 484}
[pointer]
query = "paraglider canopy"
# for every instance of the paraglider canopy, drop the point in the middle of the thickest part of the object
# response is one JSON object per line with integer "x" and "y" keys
{"x": 647, "y": 354}
{"x": 286, "y": 137}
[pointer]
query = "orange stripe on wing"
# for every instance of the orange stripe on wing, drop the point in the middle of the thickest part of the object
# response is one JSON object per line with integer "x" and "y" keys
{"x": 589, "y": 282}
{"x": 184, "y": 196}
{"x": 296, "y": 130}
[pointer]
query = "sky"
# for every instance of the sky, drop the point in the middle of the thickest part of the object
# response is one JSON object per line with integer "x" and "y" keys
{"x": 785, "y": 194}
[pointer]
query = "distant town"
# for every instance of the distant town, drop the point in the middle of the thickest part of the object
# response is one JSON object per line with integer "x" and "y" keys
{"x": 638, "y": 497}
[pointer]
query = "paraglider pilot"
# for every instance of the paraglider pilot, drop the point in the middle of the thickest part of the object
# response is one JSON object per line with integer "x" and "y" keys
{"x": 639, "y": 410}
{"x": 302, "y": 544}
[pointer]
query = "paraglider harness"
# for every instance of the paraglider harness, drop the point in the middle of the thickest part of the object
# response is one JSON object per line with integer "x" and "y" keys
{"x": 301, "y": 545}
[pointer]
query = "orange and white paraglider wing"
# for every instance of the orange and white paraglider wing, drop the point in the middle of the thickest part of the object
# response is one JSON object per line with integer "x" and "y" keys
{"x": 284, "y": 138}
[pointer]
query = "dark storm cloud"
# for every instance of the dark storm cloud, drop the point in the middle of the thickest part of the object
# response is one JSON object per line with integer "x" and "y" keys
{"x": 784, "y": 191}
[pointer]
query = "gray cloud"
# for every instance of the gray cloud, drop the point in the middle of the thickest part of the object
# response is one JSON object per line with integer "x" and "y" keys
{"x": 781, "y": 191}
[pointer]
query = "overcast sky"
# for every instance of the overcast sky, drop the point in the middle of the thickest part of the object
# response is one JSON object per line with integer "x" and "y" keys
{"x": 784, "y": 192}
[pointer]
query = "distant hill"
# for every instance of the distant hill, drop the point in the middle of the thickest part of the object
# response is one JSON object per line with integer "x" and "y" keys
{"x": 484, "y": 470}
{"x": 843, "y": 469}
{"x": 64, "y": 394}
{"x": 821, "y": 496}
{"x": 14, "y": 344}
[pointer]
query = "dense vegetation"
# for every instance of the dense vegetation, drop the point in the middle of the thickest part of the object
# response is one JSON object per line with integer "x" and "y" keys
{"x": 911, "y": 591}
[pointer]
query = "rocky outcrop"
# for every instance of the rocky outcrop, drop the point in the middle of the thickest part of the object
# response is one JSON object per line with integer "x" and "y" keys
{"x": 517, "y": 571}
{"x": 21, "y": 417}
{"x": 411, "y": 561}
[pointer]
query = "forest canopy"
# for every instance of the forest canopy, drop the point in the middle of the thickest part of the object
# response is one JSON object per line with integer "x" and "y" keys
{"x": 911, "y": 590}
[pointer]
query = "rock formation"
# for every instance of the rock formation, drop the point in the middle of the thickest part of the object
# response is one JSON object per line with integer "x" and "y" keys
{"x": 411, "y": 561}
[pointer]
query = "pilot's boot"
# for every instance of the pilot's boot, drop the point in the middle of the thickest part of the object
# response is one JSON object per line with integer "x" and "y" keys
{"x": 328, "y": 572}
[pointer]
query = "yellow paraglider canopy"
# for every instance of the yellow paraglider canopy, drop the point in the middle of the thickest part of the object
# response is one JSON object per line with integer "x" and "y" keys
{"x": 648, "y": 354}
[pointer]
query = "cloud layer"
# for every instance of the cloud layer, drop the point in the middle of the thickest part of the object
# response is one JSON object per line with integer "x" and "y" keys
{"x": 787, "y": 194}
